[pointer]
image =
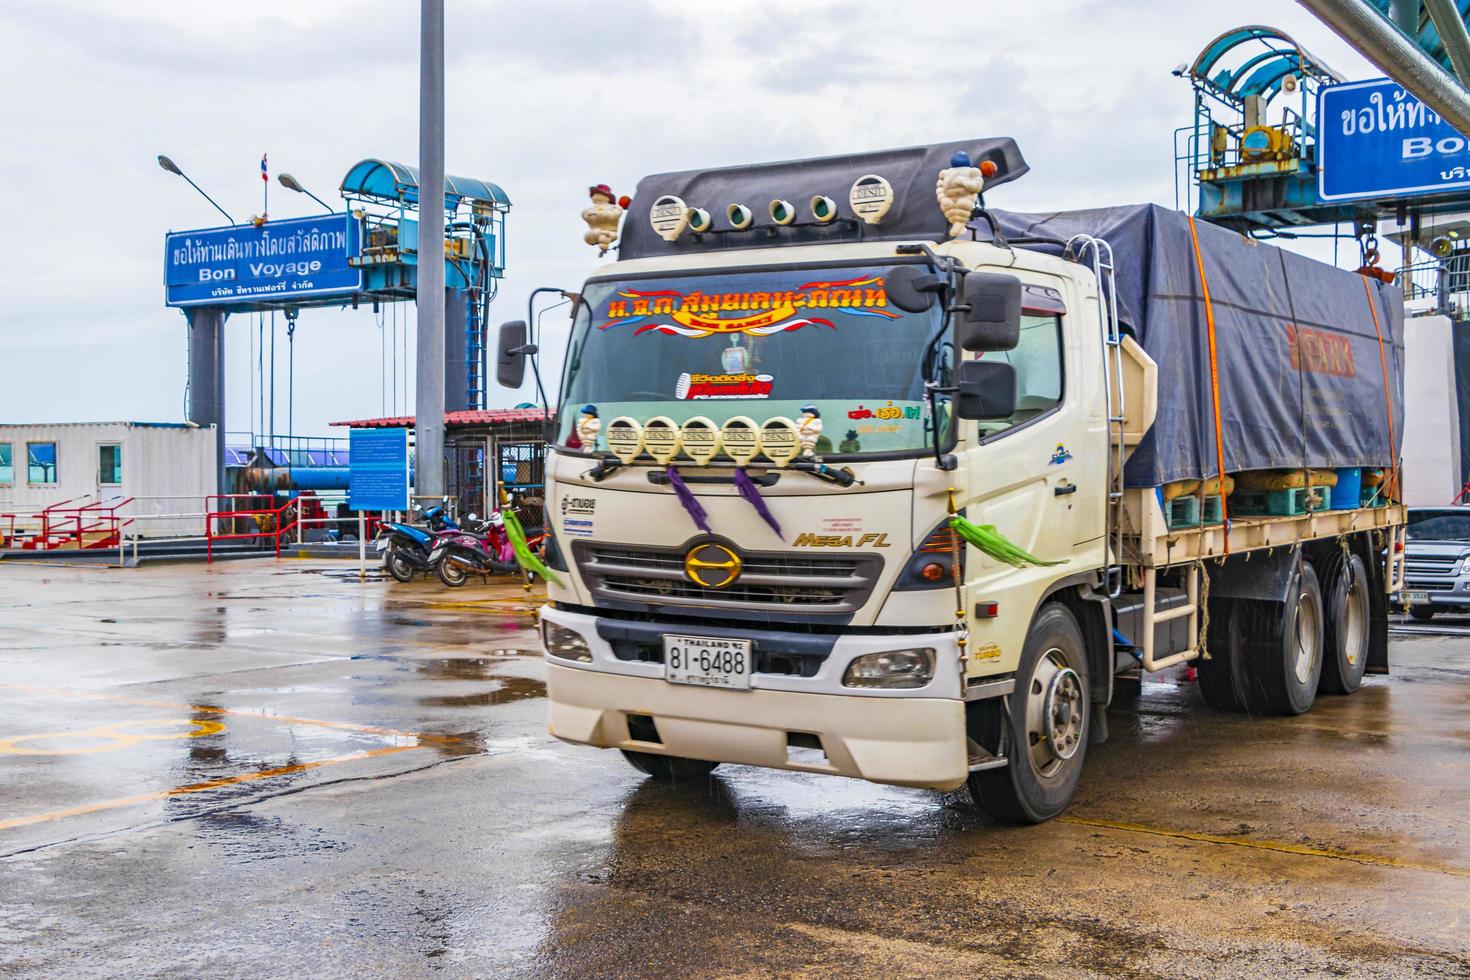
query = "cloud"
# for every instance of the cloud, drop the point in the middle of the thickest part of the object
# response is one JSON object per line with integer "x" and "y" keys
{"x": 543, "y": 98}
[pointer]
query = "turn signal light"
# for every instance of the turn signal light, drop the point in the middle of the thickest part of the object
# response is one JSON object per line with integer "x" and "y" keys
{"x": 932, "y": 563}
{"x": 933, "y": 571}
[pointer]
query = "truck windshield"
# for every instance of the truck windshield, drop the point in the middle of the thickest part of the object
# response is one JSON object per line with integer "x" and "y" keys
{"x": 758, "y": 344}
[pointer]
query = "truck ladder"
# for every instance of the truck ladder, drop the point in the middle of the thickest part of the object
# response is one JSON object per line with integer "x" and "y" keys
{"x": 1078, "y": 249}
{"x": 1152, "y": 617}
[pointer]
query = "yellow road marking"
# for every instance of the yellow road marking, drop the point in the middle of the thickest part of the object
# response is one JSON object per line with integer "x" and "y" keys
{"x": 113, "y": 739}
{"x": 208, "y": 784}
{"x": 1265, "y": 845}
{"x": 215, "y": 710}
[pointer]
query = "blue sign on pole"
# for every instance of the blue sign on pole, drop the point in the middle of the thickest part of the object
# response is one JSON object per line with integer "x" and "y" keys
{"x": 1375, "y": 140}
{"x": 377, "y": 469}
{"x": 278, "y": 261}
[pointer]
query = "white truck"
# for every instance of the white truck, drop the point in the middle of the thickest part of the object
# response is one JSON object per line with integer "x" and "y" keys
{"x": 771, "y": 413}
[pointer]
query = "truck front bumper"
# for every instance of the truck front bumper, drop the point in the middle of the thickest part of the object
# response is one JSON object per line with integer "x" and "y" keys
{"x": 913, "y": 740}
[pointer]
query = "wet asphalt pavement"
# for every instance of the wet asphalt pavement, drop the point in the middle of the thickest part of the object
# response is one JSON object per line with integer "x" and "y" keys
{"x": 270, "y": 769}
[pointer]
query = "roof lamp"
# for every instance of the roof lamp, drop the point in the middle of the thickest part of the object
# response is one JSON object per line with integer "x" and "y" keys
{"x": 782, "y": 212}
{"x": 740, "y": 216}
{"x": 824, "y": 209}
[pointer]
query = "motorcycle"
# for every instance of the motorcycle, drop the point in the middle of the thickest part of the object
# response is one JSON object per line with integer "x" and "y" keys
{"x": 406, "y": 548}
{"x": 484, "y": 548}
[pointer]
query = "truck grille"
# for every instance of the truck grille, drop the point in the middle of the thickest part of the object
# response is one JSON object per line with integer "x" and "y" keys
{"x": 772, "y": 582}
{"x": 1431, "y": 564}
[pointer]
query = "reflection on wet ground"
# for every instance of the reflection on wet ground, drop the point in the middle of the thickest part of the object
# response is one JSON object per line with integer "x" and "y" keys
{"x": 273, "y": 769}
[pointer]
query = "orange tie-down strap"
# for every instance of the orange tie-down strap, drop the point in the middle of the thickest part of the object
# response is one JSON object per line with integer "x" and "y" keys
{"x": 1393, "y": 464}
{"x": 1204, "y": 282}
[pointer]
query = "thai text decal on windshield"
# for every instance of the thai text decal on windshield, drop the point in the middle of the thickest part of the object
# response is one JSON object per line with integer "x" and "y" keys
{"x": 700, "y": 314}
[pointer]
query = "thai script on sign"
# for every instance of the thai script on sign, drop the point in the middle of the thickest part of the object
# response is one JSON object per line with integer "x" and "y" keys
{"x": 303, "y": 241}
{"x": 1401, "y": 111}
{"x": 758, "y": 313}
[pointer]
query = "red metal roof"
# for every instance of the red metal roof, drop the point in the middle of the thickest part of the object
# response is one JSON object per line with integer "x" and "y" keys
{"x": 478, "y": 416}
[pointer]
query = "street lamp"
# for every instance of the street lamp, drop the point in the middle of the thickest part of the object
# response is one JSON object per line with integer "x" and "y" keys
{"x": 173, "y": 168}
{"x": 292, "y": 184}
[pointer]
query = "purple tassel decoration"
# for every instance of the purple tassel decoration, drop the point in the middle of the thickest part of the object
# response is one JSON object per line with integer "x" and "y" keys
{"x": 750, "y": 492}
{"x": 681, "y": 490}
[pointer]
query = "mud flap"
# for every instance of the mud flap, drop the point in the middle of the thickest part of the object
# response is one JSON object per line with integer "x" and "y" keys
{"x": 1376, "y": 563}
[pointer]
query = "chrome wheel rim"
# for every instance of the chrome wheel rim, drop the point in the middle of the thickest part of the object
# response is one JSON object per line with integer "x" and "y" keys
{"x": 1355, "y": 620}
{"x": 1307, "y": 632}
{"x": 1056, "y": 710}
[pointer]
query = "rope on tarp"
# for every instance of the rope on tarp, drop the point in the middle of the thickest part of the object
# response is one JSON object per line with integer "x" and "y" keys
{"x": 1387, "y": 398}
{"x": 1204, "y": 282}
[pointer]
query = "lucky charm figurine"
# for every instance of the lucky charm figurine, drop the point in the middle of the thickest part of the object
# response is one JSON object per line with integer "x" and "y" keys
{"x": 588, "y": 426}
{"x": 602, "y": 218}
{"x": 809, "y": 429}
{"x": 958, "y": 189}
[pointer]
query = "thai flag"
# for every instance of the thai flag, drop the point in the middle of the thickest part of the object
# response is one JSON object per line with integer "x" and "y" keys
{"x": 264, "y": 175}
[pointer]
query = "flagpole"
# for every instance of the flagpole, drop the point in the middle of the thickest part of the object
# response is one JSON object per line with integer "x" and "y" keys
{"x": 265, "y": 194}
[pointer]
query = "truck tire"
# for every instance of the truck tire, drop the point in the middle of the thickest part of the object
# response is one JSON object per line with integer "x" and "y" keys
{"x": 1047, "y": 724}
{"x": 670, "y": 768}
{"x": 1222, "y": 676}
{"x": 1345, "y": 653}
{"x": 1283, "y": 645}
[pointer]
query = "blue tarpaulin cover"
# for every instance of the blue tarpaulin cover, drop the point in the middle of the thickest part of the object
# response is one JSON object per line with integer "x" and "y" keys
{"x": 1301, "y": 367}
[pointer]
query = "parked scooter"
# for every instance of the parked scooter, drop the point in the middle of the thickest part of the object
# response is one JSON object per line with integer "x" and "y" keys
{"x": 406, "y": 548}
{"x": 483, "y": 549}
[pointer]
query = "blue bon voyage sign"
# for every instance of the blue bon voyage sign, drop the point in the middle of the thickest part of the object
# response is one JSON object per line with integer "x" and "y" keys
{"x": 1376, "y": 140}
{"x": 278, "y": 261}
{"x": 377, "y": 469}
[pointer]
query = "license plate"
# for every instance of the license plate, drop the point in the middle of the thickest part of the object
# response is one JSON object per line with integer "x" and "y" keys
{"x": 708, "y": 661}
{"x": 1412, "y": 598}
{"x": 381, "y": 545}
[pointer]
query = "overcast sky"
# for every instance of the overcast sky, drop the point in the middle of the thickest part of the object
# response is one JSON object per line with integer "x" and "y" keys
{"x": 544, "y": 98}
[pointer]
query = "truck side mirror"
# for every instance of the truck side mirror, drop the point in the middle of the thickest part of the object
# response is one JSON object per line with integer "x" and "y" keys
{"x": 993, "y": 320}
{"x": 510, "y": 356}
{"x": 986, "y": 390}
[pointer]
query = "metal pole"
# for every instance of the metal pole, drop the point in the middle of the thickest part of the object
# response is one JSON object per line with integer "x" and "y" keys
{"x": 429, "y": 295}
{"x": 1452, "y": 34}
{"x": 1382, "y": 43}
{"x": 207, "y": 379}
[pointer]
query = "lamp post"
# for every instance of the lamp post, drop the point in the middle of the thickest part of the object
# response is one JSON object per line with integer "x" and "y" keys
{"x": 292, "y": 184}
{"x": 173, "y": 168}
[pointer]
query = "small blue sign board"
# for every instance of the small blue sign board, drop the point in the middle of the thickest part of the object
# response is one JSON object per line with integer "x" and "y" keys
{"x": 377, "y": 469}
{"x": 295, "y": 258}
{"x": 1375, "y": 140}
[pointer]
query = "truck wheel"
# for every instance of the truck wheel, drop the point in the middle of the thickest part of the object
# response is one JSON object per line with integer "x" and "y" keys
{"x": 669, "y": 768}
{"x": 1422, "y": 613}
{"x": 1047, "y": 725}
{"x": 1284, "y": 648}
{"x": 1345, "y": 656}
{"x": 399, "y": 566}
{"x": 1222, "y": 677}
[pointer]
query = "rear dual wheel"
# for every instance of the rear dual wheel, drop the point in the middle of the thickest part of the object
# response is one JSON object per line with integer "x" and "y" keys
{"x": 1347, "y": 626}
{"x": 1267, "y": 657}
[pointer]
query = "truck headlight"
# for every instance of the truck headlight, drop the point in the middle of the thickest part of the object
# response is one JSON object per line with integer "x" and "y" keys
{"x": 892, "y": 669}
{"x": 564, "y": 643}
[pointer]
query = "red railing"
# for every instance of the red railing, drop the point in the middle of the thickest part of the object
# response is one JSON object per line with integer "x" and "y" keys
{"x": 84, "y": 526}
{"x": 269, "y": 522}
{"x": 7, "y": 540}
